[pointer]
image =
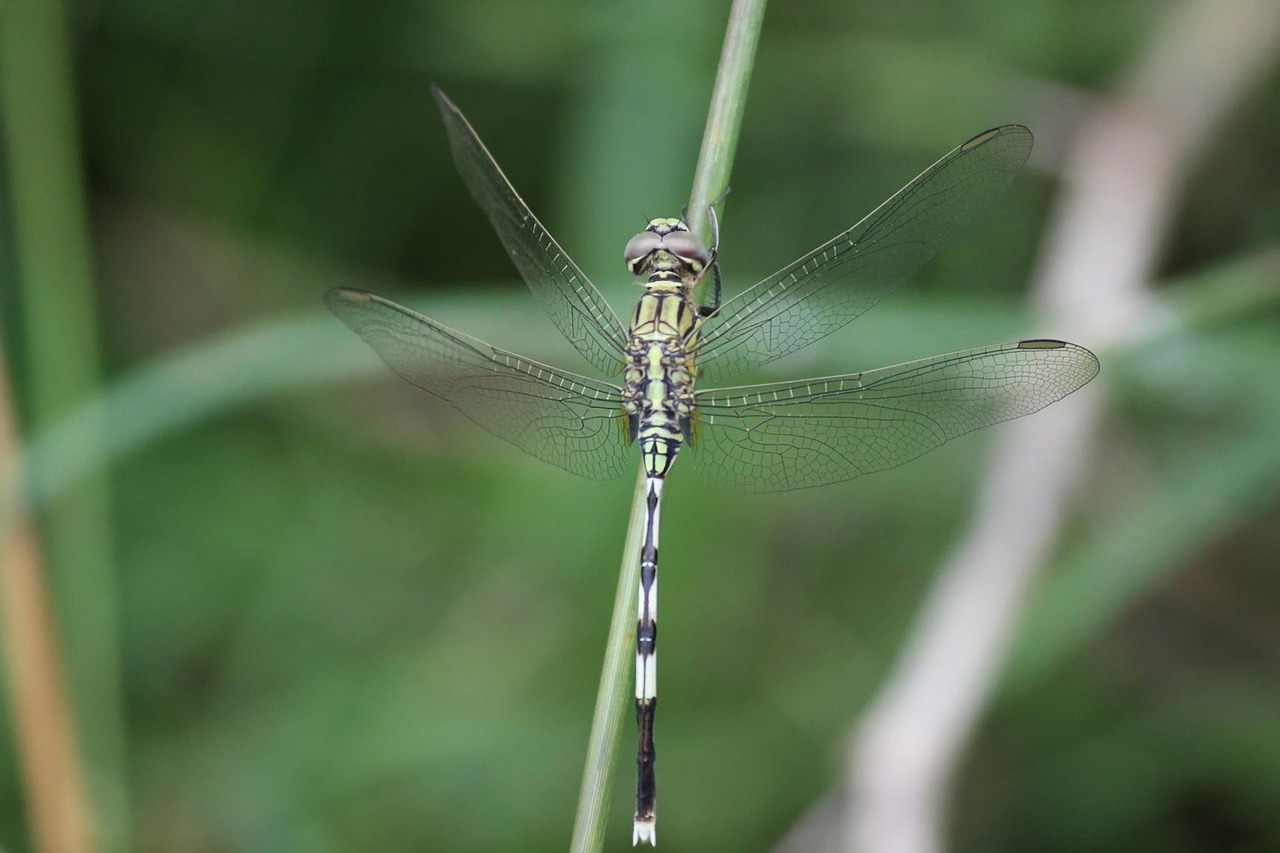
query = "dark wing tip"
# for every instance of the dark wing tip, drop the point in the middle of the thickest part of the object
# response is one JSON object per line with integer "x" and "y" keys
{"x": 1005, "y": 131}
{"x": 1087, "y": 355}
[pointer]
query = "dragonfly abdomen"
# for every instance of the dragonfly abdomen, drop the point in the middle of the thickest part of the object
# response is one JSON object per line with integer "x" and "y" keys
{"x": 658, "y": 397}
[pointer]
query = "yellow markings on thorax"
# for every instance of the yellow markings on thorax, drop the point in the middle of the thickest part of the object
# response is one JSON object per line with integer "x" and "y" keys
{"x": 663, "y": 313}
{"x": 660, "y": 372}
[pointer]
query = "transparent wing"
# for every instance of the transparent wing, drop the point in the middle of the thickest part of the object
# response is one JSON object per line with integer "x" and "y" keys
{"x": 833, "y": 284}
{"x": 789, "y": 435}
{"x": 568, "y": 420}
{"x": 572, "y": 302}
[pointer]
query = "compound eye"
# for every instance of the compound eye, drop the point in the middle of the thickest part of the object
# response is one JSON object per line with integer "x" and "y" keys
{"x": 640, "y": 247}
{"x": 686, "y": 247}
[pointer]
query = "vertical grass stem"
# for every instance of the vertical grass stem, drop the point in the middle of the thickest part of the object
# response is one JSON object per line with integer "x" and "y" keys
{"x": 710, "y": 180}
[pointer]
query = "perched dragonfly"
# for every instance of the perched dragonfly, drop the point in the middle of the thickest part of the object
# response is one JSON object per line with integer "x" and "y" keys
{"x": 779, "y": 435}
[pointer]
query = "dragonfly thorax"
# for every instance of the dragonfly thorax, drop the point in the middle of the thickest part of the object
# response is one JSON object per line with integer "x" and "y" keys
{"x": 667, "y": 251}
{"x": 657, "y": 393}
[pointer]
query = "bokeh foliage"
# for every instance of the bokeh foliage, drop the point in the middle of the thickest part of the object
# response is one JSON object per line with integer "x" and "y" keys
{"x": 352, "y": 621}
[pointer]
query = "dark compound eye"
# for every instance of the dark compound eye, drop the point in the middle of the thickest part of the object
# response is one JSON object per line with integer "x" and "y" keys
{"x": 639, "y": 247}
{"x": 686, "y": 247}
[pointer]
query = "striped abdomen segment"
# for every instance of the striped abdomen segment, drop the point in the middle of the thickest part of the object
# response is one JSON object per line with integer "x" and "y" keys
{"x": 645, "y": 829}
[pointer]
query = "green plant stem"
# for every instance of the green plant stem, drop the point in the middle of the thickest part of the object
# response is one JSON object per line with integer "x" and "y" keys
{"x": 710, "y": 179}
{"x": 613, "y": 694}
{"x": 55, "y": 296}
{"x": 728, "y": 102}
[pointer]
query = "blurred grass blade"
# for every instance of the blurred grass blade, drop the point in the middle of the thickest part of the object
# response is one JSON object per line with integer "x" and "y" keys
{"x": 60, "y": 362}
{"x": 52, "y": 776}
{"x": 250, "y": 363}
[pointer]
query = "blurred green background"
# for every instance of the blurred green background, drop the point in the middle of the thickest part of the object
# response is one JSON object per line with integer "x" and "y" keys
{"x": 347, "y": 619}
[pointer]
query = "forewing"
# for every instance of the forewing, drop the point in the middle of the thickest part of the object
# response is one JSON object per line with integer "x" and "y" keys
{"x": 572, "y": 302}
{"x": 790, "y": 435}
{"x": 568, "y": 420}
{"x": 833, "y": 284}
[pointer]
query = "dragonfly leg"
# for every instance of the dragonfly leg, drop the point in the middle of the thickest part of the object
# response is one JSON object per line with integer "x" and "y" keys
{"x": 713, "y": 264}
{"x": 712, "y": 307}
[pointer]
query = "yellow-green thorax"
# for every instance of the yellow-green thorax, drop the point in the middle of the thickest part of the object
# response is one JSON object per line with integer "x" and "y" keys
{"x": 660, "y": 369}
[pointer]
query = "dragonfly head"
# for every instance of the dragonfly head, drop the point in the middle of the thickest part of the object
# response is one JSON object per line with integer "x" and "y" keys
{"x": 666, "y": 245}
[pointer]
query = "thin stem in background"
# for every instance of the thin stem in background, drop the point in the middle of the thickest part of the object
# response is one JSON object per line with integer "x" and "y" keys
{"x": 57, "y": 810}
{"x": 719, "y": 141}
{"x": 1121, "y": 182}
{"x": 56, "y": 302}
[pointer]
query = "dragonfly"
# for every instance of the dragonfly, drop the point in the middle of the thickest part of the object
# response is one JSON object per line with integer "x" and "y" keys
{"x": 761, "y": 437}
